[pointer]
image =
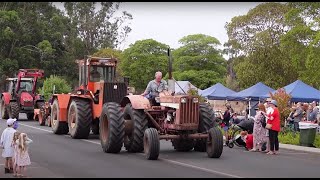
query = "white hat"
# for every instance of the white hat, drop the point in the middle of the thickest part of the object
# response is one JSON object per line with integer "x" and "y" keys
{"x": 11, "y": 121}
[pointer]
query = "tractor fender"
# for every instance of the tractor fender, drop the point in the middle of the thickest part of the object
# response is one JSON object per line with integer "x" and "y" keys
{"x": 6, "y": 96}
{"x": 137, "y": 102}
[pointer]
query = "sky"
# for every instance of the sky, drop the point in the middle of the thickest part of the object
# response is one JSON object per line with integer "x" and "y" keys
{"x": 167, "y": 22}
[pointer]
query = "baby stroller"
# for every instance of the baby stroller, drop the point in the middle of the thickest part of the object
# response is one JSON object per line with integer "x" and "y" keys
{"x": 234, "y": 137}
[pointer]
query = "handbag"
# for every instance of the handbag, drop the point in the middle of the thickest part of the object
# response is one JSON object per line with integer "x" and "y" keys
{"x": 268, "y": 126}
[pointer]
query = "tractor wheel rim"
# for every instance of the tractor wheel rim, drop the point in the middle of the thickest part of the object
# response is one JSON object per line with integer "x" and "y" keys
{"x": 104, "y": 129}
{"x": 72, "y": 117}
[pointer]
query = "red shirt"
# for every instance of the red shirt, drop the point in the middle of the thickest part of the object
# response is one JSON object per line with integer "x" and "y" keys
{"x": 276, "y": 120}
{"x": 249, "y": 141}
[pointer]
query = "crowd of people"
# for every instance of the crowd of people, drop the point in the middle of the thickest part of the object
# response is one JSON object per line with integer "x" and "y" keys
{"x": 14, "y": 146}
{"x": 302, "y": 112}
{"x": 266, "y": 127}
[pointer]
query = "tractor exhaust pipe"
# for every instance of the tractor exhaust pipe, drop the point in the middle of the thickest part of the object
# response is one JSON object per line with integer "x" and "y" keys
{"x": 171, "y": 81}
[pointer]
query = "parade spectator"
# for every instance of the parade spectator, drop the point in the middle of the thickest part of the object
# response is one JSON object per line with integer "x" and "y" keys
{"x": 298, "y": 115}
{"x": 259, "y": 132}
{"x": 312, "y": 114}
{"x": 248, "y": 139}
{"x": 235, "y": 119}
{"x": 290, "y": 118}
{"x": 269, "y": 110}
{"x": 6, "y": 144}
{"x": 23, "y": 158}
{"x": 273, "y": 124}
{"x": 15, "y": 154}
{"x": 226, "y": 120}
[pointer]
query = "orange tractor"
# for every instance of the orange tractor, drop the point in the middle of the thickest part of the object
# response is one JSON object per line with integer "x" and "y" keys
{"x": 142, "y": 123}
{"x": 78, "y": 112}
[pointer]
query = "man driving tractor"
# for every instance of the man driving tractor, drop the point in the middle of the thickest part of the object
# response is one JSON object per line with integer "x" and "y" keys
{"x": 155, "y": 87}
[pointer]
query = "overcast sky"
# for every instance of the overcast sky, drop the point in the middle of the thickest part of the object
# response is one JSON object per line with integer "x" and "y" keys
{"x": 167, "y": 22}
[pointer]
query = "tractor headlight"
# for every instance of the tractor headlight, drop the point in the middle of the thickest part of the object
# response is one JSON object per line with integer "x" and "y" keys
{"x": 183, "y": 100}
{"x": 79, "y": 92}
{"x": 157, "y": 99}
{"x": 195, "y": 100}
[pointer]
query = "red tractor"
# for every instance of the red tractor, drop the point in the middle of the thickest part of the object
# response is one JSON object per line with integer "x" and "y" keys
{"x": 141, "y": 124}
{"x": 21, "y": 96}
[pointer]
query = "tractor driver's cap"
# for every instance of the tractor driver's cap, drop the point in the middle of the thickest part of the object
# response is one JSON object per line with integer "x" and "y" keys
{"x": 10, "y": 121}
{"x": 274, "y": 102}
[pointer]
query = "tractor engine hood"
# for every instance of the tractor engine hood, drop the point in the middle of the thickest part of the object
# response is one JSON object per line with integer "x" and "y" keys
{"x": 26, "y": 99}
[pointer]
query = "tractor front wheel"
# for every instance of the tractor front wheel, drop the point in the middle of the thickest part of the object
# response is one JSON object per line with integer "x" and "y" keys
{"x": 215, "y": 143}
{"x": 151, "y": 144}
{"x": 58, "y": 127}
{"x": 133, "y": 141}
{"x": 79, "y": 119}
{"x": 111, "y": 128}
{"x": 206, "y": 121}
{"x": 14, "y": 110}
{"x": 3, "y": 110}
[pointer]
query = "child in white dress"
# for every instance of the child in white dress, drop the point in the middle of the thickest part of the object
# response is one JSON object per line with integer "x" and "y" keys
{"x": 6, "y": 144}
{"x": 23, "y": 158}
{"x": 15, "y": 156}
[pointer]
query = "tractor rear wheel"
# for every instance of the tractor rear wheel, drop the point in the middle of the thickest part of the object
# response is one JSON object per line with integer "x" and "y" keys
{"x": 58, "y": 127}
{"x": 215, "y": 143}
{"x": 183, "y": 145}
{"x": 111, "y": 128}
{"x": 133, "y": 141}
{"x": 14, "y": 110}
{"x": 151, "y": 144}
{"x": 79, "y": 118}
{"x": 3, "y": 109}
{"x": 206, "y": 121}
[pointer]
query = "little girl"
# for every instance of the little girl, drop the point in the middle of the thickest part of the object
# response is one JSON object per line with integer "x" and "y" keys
{"x": 15, "y": 157}
{"x": 23, "y": 159}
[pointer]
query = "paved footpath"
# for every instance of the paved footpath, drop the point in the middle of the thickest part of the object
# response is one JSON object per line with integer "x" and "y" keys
{"x": 60, "y": 156}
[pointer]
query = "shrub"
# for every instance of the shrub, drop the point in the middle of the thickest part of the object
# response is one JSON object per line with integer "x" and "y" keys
{"x": 61, "y": 86}
{"x": 283, "y": 100}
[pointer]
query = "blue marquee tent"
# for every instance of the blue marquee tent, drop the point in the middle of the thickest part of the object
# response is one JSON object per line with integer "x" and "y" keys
{"x": 253, "y": 93}
{"x": 217, "y": 92}
{"x": 301, "y": 92}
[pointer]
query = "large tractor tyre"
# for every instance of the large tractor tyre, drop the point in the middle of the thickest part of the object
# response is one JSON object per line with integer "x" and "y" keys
{"x": 58, "y": 127}
{"x": 183, "y": 145}
{"x": 151, "y": 143}
{"x": 79, "y": 119}
{"x": 4, "y": 110}
{"x": 206, "y": 121}
{"x": 215, "y": 143}
{"x": 14, "y": 110}
{"x": 133, "y": 142}
{"x": 95, "y": 127}
{"x": 30, "y": 116}
{"x": 111, "y": 128}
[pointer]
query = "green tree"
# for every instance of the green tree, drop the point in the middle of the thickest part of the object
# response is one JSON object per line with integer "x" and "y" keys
{"x": 255, "y": 39}
{"x": 99, "y": 28}
{"x": 199, "y": 61}
{"x": 60, "y": 84}
{"x": 141, "y": 60}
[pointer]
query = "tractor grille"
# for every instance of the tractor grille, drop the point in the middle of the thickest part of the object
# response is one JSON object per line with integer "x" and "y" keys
{"x": 189, "y": 112}
{"x": 114, "y": 92}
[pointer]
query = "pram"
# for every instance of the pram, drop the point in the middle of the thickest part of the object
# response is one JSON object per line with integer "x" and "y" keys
{"x": 234, "y": 137}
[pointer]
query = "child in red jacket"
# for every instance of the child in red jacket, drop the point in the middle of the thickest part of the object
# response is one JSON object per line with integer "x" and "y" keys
{"x": 248, "y": 139}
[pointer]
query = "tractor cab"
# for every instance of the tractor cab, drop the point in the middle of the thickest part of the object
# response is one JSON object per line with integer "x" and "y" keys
{"x": 96, "y": 74}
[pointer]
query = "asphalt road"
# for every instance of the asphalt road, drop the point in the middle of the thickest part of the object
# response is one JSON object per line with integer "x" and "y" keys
{"x": 60, "y": 156}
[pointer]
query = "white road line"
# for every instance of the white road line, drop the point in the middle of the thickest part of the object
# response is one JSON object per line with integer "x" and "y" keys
{"x": 166, "y": 160}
